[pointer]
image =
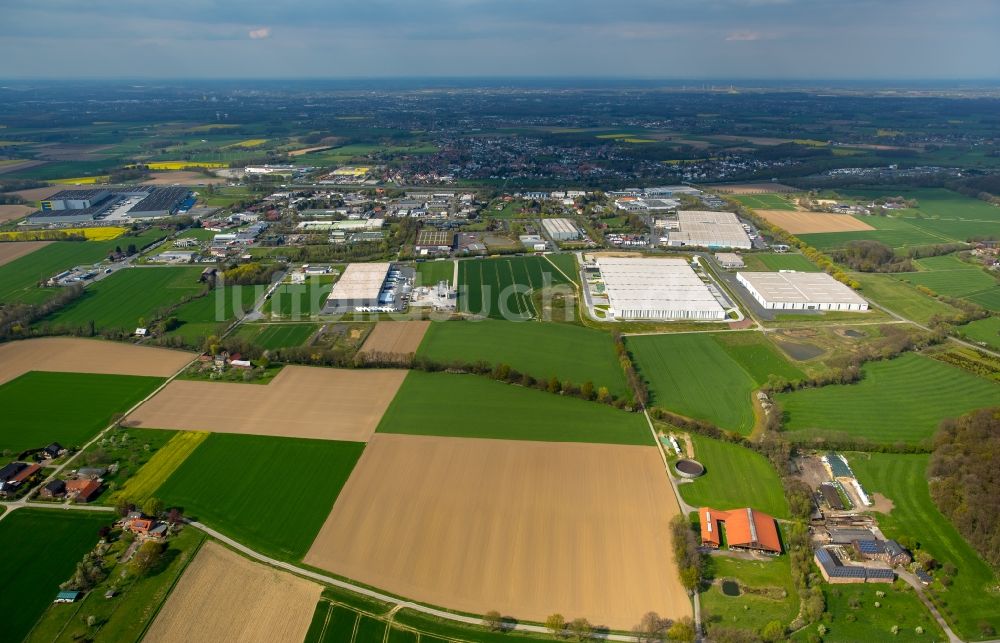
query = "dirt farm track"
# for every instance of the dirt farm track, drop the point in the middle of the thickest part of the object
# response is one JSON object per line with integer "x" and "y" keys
{"x": 74, "y": 355}
{"x": 527, "y": 528}
{"x": 325, "y": 403}
{"x": 800, "y": 222}
{"x": 225, "y": 597}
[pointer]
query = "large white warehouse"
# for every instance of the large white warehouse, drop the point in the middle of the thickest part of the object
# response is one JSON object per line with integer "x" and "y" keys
{"x": 359, "y": 286}
{"x": 790, "y": 290}
{"x": 654, "y": 288}
{"x": 709, "y": 229}
{"x": 561, "y": 229}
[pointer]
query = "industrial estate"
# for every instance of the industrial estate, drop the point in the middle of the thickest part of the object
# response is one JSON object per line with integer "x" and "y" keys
{"x": 324, "y": 373}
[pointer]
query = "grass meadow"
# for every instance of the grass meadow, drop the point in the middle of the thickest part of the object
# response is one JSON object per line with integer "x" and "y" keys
{"x": 471, "y": 406}
{"x": 895, "y": 232}
{"x": 429, "y": 273}
{"x": 921, "y": 391}
{"x": 272, "y": 336}
{"x": 486, "y": 285}
{"x": 764, "y": 201}
{"x": 272, "y": 494}
{"x": 772, "y": 261}
{"x": 41, "y": 550}
{"x": 985, "y": 330}
{"x": 749, "y": 611}
{"x": 708, "y": 376}
{"x": 851, "y": 615}
{"x": 298, "y": 301}
{"x": 972, "y": 599}
{"x": 128, "y": 296}
{"x": 948, "y": 275}
{"x": 85, "y": 405}
{"x": 19, "y": 278}
{"x": 211, "y": 314}
{"x": 901, "y": 298}
{"x": 734, "y": 477}
{"x": 542, "y": 350}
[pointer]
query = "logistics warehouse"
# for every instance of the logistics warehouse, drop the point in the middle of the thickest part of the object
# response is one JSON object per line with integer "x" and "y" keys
{"x": 370, "y": 287}
{"x": 657, "y": 289}
{"x": 790, "y": 290}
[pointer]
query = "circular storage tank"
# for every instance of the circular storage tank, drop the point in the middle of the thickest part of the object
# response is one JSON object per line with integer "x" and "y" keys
{"x": 689, "y": 468}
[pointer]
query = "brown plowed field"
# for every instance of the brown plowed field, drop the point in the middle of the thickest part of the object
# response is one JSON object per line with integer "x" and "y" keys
{"x": 797, "y": 222}
{"x": 301, "y": 402}
{"x": 11, "y": 250}
{"x": 182, "y": 177}
{"x": 39, "y": 194}
{"x": 11, "y": 212}
{"x": 751, "y": 188}
{"x": 395, "y": 337}
{"x": 527, "y": 528}
{"x": 222, "y": 596}
{"x": 74, "y": 355}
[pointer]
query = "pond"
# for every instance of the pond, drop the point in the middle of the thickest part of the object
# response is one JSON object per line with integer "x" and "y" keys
{"x": 730, "y": 588}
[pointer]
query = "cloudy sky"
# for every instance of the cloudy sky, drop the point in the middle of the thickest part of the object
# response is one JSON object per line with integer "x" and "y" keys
{"x": 727, "y": 39}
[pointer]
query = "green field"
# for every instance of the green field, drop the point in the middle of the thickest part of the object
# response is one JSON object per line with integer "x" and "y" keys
{"x": 901, "y": 298}
{"x": 272, "y": 336}
{"x": 136, "y": 602}
{"x": 69, "y": 408}
{"x": 566, "y": 262}
{"x": 19, "y": 278}
{"x": 772, "y": 261}
{"x": 759, "y": 486}
{"x": 851, "y": 615}
{"x": 748, "y": 610}
{"x": 272, "y": 494}
{"x": 921, "y": 391}
{"x": 541, "y": 350}
{"x": 708, "y": 376}
{"x": 128, "y": 296}
{"x": 298, "y": 301}
{"x": 160, "y": 466}
{"x": 950, "y": 276}
{"x": 973, "y": 598}
{"x": 211, "y": 314}
{"x": 943, "y": 212}
{"x": 477, "y": 407}
{"x": 430, "y": 273}
{"x": 41, "y": 550}
{"x": 985, "y": 330}
{"x": 486, "y": 286}
{"x": 895, "y": 232}
{"x": 764, "y": 201}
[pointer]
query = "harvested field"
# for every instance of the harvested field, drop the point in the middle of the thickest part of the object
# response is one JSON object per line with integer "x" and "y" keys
{"x": 11, "y": 212}
{"x": 309, "y": 150}
{"x": 395, "y": 338}
{"x": 328, "y": 404}
{"x": 74, "y": 355}
{"x": 17, "y": 249}
{"x": 225, "y": 597}
{"x": 183, "y": 177}
{"x": 797, "y": 222}
{"x": 527, "y": 528}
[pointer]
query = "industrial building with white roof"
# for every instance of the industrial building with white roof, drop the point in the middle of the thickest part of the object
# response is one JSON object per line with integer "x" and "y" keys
{"x": 359, "y": 286}
{"x": 790, "y": 290}
{"x": 561, "y": 229}
{"x": 655, "y": 288}
{"x": 709, "y": 229}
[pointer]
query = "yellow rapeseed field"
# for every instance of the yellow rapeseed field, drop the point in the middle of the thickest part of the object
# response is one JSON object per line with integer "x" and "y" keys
{"x": 180, "y": 165}
{"x": 251, "y": 142}
{"x": 93, "y": 234}
{"x": 83, "y": 180}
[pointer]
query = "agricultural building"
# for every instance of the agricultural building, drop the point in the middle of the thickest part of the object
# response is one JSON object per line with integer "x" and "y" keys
{"x": 729, "y": 260}
{"x": 561, "y": 229}
{"x": 888, "y": 551}
{"x": 111, "y": 204}
{"x": 361, "y": 286}
{"x": 708, "y": 229}
{"x": 835, "y": 571}
{"x": 639, "y": 288}
{"x": 790, "y": 290}
{"x": 745, "y": 529}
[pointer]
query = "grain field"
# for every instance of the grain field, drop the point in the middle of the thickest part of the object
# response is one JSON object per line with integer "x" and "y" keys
{"x": 395, "y": 338}
{"x": 800, "y": 222}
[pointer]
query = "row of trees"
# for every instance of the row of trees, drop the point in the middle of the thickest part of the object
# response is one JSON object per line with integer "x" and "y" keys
{"x": 16, "y": 318}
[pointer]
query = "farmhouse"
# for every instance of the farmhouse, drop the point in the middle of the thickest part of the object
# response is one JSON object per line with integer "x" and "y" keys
{"x": 887, "y": 551}
{"x": 640, "y": 288}
{"x": 53, "y": 489}
{"x": 709, "y": 229}
{"x": 82, "y": 490}
{"x": 13, "y": 476}
{"x": 745, "y": 529}
{"x": 835, "y": 571}
{"x": 561, "y": 229}
{"x": 790, "y": 290}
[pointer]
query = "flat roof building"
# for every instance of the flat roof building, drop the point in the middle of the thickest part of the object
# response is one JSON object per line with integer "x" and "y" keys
{"x": 654, "y": 288}
{"x": 359, "y": 286}
{"x": 790, "y": 290}
{"x": 561, "y": 229}
{"x": 729, "y": 260}
{"x": 708, "y": 229}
